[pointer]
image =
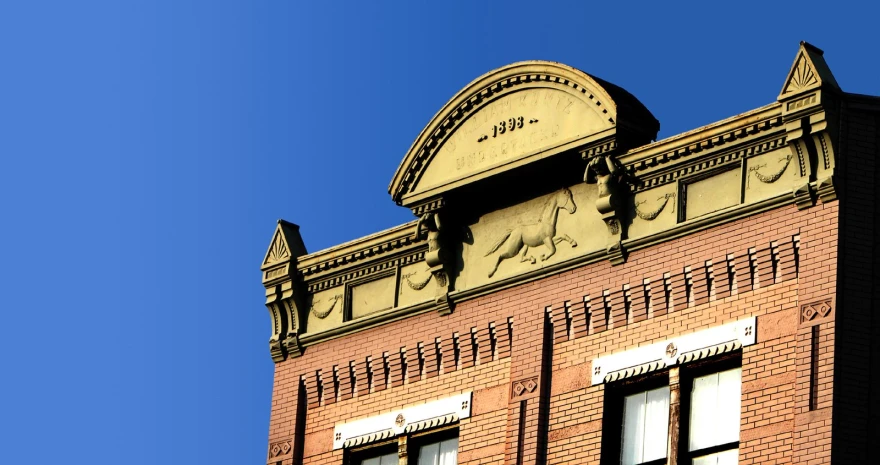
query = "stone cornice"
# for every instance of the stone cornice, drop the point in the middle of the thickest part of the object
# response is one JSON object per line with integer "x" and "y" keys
{"x": 744, "y": 135}
{"x": 384, "y": 262}
{"x": 353, "y": 254}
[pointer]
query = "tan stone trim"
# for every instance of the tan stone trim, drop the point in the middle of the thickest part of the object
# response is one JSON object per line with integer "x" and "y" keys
{"x": 682, "y": 229}
{"x": 635, "y": 371}
{"x": 368, "y": 247}
{"x": 646, "y": 163}
{"x": 372, "y": 269}
{"x": 718, "y": 158}
{"x": 366, "y": 322}
{"x": 710, "y": 221}
{"x": 710, "y": 352}
{"x": 601, "y": 141}
{"x": 431, "y": 423}
{"x": 369, "y": 438}
{"x": 715, "y": 136}
{"x": 674, "y": 351}
{"x": 401, "y": 421}
{"x": 484, "y": 89}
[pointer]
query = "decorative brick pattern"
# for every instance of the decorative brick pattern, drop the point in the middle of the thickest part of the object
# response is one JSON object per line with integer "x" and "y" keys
{"x": 523, "y": 387}
{"x": 560, "y": 321}
{"x": 720, "y": 271}
{"x": 638, "y": 308}
{"x": 743, "y": 272}
{"x": 700, "y": 285}
{"x": 817, "y": 312}
{"x": 280, "y": 450}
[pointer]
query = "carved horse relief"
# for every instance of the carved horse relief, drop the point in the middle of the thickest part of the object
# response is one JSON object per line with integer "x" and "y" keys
{"x": 522, "y": 237}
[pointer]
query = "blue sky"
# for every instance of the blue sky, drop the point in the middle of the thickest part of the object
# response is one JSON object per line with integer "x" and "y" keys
{"x": 147, "y": 148}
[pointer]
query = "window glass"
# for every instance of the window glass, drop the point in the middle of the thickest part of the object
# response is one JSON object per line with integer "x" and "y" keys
{"x": 728, "y": 457}
{"x": 714, "y": 415}
{"x": 645, "y": 426}
{"x": 439, "y": 453}
{"x": 387, "y": 459}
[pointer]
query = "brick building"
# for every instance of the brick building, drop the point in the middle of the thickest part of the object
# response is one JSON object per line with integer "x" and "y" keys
{"x": 574, "y": 292}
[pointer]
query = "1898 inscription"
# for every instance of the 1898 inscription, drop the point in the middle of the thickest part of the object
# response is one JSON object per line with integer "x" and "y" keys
{"x": 510, "y": 125}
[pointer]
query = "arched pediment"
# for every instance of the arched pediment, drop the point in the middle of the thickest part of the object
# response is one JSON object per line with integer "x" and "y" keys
{"x": 513, "y": 116}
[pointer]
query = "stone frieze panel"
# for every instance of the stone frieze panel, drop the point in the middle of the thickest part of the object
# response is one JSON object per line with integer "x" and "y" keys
{"x": 712, "y": 192}
{"x": 416, "y": 284}
{"x": 770, "y": 174}
{"x": 372, "y": 295}
{"x": 546, "y": 230}
{"x": 653, "y": 210}
{"x": 326, "y": 309}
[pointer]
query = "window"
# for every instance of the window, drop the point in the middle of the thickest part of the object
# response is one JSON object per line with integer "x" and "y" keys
{"x": 387, "y": 459}
{"x": 713, "y": 437}
{"x": 384, "y": 453}
{"x": 437, "y": 447}
{"x": 439, "y": 453}
{"x": 645, "y": 426}
{"x": 707, "y": 419}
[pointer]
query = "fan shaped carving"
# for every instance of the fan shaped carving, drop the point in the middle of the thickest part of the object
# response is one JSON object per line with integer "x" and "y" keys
{"x": 802, "y": 76}
{"x": 278, "y": 251}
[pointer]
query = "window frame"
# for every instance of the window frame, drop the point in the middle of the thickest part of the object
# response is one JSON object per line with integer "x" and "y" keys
{"x": 415, "y": 441}
{"x": 616, "y": 391}
{"x": 356, "y": 455}
{"x": 688, "y": 374}
{"x": 412, "y": 441}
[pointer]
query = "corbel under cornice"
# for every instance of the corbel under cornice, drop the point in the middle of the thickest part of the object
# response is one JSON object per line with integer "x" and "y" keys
{"x": 284, "y": 290}
{"x": 810, "y": 100}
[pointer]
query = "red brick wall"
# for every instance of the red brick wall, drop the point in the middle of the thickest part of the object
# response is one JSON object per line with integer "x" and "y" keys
{"x": 787, "y": 388}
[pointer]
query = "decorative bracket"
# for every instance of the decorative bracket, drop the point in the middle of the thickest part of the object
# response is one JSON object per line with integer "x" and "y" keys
{"x": 809, "y": 111}
{"x": 607, "y": 173}
{"x": 284, "y": 290}
{"x": 430, "y": 227}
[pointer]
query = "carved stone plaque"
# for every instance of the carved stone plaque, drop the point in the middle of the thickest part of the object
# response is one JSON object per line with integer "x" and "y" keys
{"x": 325, "y": 310}
{"x": 416, "y": 284}
{"x": 653, "y": 211}
{"x": 372, "y": 296}
{"x": 770, "y": 174}
{"x": 713, "y": 193}
{"x": 540, "y": 232}
{"x": 516, "y": 125}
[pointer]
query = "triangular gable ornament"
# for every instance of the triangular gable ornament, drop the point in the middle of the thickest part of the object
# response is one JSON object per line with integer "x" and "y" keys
{"x": 286, "y": 243}
{"x": 809, "y": 71}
